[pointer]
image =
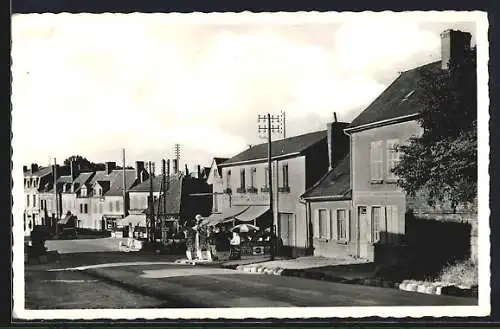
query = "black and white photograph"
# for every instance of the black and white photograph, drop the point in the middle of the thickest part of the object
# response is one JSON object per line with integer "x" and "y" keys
{"x": 250, "y": 165}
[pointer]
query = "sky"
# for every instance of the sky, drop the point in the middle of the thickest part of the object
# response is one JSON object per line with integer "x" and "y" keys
{"x": 92, "y": 84}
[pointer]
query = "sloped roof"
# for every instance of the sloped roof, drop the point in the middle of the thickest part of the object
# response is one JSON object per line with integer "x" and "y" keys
{"x": 42, "y": 171}
{"x": 82, "y": 179}
{"x": 219, "y": 160}
{"x": 205, "y": 172}
{"x": 402, "y": 98}
{"x": 173, "y": 197}
{"x": 335, "y": 184}
{"x": 144, "y": 186}
{"x": 296, "y": 144}
{"x": 116, "y": 181}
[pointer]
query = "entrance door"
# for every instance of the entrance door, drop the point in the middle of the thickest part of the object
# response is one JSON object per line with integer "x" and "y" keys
{"x": 363, "y": 232}
{"x": 287, "y": 228}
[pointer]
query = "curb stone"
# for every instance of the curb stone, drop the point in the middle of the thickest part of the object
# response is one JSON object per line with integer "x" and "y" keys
{"x": 438, "y": 288}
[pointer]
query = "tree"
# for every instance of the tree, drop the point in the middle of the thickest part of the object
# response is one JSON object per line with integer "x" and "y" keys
{"x": 443, "y": 161}
{"x": 83, "y": 163}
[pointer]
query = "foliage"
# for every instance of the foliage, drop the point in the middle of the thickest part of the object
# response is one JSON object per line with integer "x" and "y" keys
{"x": 83, "y": 163}
{"x": 463, "y": 273}
{"x": 443, "y": 161}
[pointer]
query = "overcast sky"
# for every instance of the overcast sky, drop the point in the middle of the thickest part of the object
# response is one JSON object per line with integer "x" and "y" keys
{"x": 93, "y": 84}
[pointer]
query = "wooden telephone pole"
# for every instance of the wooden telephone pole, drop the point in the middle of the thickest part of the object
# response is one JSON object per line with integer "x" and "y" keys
{"x": 268, "y": 128}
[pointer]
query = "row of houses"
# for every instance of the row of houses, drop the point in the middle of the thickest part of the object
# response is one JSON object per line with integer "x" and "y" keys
{"x": 334, "y": 192}
{"x": 95, "y": 200}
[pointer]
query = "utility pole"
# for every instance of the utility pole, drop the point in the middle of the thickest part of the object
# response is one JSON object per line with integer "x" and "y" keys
{"x": 269, "y": 128}
{"x": 124, "y": 189}
{"x": 150, "y": 228}
{"x": 177, "y": 153}
{"x": 283, "y": 123}
{"x": 55, "y": 194}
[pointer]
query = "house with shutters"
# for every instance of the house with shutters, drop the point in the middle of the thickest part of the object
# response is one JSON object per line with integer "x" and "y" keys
{"x": 378, "y": 204}
{"x": 297, "y": 163}
{"x": 328, "y": 209}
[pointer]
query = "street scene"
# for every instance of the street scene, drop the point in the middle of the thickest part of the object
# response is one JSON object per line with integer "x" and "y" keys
{"x": 248, "y": 165}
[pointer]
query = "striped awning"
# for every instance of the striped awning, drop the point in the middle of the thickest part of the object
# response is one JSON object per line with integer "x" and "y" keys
{"x": 252, "y": 213}
{"x": 226, "y": 214}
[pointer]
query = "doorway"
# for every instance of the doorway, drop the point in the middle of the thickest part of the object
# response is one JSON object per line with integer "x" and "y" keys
{"x": 363, "y": 232}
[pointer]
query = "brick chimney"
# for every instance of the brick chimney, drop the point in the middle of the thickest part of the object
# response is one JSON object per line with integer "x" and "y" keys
{"x": 34, "y": 168}
{"x": 454, "y": 44}
{"x": 25, "y": 168}
{"x": 74, "y": 170}
{"x": 338, "y": 142}
{"x": 139, "y": 168}
{"x": 110, "y": 166}
{"x": 175, "y": 166}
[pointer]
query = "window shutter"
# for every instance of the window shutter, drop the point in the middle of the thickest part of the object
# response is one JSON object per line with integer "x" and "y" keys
{"x": 383, "y": 225}
{"x": 316, "y": 223}
{"x": 333, "y": 224}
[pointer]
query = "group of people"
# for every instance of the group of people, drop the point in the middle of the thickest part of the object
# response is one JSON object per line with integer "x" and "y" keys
{"x": 223, "y": 244}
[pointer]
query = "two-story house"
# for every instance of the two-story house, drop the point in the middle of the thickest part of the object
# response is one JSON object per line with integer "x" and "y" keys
{"x": 105, "y": 194}
{"x": 378, "y": 204}
{"x": 328, "y": 209}
{"x": 296, "y": 164}
{"x": 34, "y": 180}
{"x": 220, "y": 199}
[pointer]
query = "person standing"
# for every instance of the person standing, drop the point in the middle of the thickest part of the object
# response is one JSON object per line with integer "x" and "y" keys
{"x": 235, "y": 246}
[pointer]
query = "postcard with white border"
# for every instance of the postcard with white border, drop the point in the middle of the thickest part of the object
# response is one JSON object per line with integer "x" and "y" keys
{"x": 250, "y": 165}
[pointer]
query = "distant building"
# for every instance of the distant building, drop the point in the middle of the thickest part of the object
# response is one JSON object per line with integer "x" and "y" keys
{"x": 214, "y": 178}
{"x": 186, "y": 196}
{"x": 34, "y": 180}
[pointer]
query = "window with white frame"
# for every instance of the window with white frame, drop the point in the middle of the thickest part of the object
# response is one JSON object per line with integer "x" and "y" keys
{"x": 392, "y": 157}
{"x": 242, "y": 179}
{"x": 110, "y": 206}
{"x": 253, "y": 170}
{"x": 216, "y": 203}
{"x": 27, "y": 200}
{"x": 266, "y": 177}
{"x": 377, "y": 223}
{"x": 100, "y": 208}
{"x": 228, "y": 179}
{"x": 376, "y": 161}
{"x": 118, "y": 203}
{"x": 341, "y": 224}
{"x": 34, "y": 200}
{"x": 323, "y": 219}
{"x": 86, "y": 208}
{"x": 285, "y": 175}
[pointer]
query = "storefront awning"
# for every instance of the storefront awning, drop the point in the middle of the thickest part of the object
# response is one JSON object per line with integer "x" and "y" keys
{"x": 227, "y": 214}
{"x": 252, "y": 213}
{"x": 135, "y": 220}
{"x": 65, "y": 219}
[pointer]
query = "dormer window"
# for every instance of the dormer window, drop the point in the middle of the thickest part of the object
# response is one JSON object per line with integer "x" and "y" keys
{"x": 83, "y": 191}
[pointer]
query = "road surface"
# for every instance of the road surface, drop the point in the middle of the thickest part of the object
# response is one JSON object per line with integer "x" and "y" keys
{"x": 173, "y": 285}
{"x": 84, "y": 245}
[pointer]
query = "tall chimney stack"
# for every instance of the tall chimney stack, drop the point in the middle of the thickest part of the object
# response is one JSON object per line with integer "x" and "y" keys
{"x": 175, "y": 165}
{"x": 139, "y": 168}
{"x": 338, "y": 142}
{"x": 109, "y": 167}
{"x": 74, "y": 170}
{"x": 199, "y": 171}
{"x": 454, "y": 45}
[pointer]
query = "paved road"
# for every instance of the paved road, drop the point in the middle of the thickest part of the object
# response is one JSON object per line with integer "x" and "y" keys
{"x": 84, "y": 245}
{"x": 187, "y": 286}
{"x": 75, "y": 290}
